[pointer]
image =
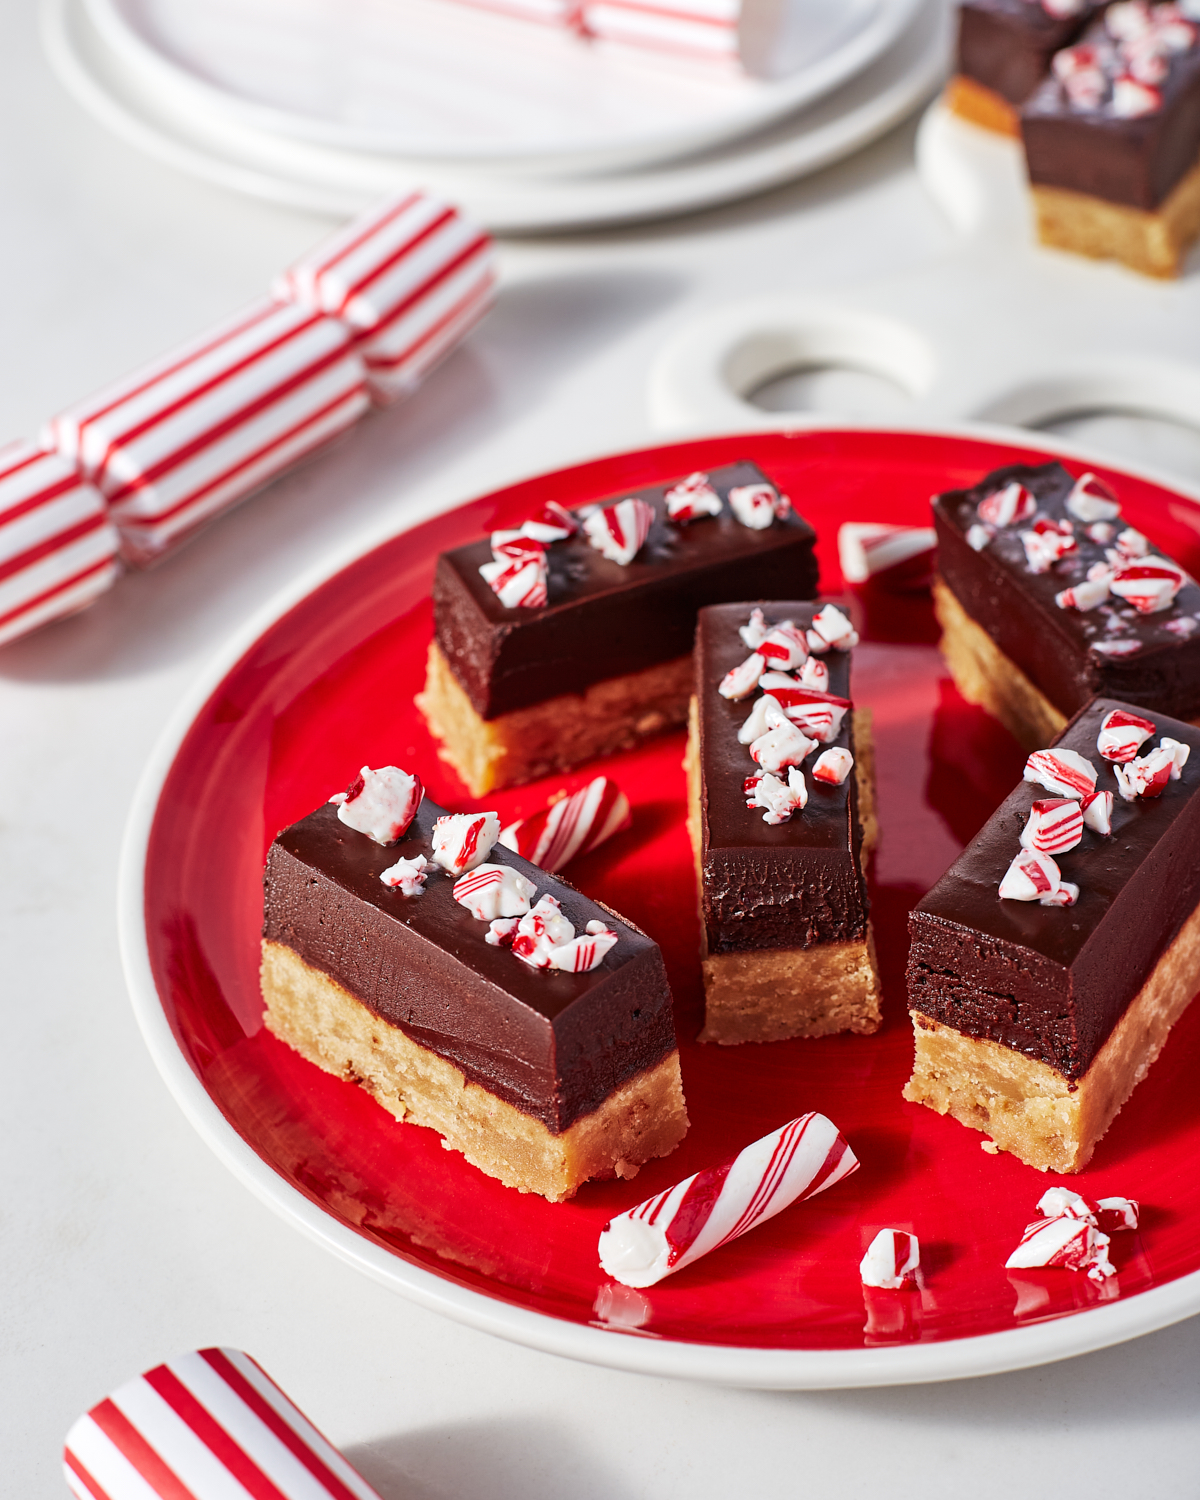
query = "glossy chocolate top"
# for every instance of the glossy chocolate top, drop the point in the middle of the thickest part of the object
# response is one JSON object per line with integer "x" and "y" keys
{"x": 1006, "y": 45}
{"x": 604, "y": 620}
{"x": 1066, "y": 652}
{"x": 550, "y": 1043}
{"x": 1052, "y": 982}
{"x": 1091, "y": 150}
{"x": 798, "y": 883}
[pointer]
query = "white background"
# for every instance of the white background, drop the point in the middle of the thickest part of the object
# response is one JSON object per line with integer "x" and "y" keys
{"x": 121, "y": 1238}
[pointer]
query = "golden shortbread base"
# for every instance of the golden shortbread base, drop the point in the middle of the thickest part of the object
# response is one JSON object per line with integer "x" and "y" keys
{"x": 553, "y": 735}
{"x": 985, "y": 676}
{"x": 1028, "y": 1107}
{"x": 643, "y": 1118}
{"x": 765, "y": 995}
{"x": 982, "y": 106}
{"x": 1153, "y": 243}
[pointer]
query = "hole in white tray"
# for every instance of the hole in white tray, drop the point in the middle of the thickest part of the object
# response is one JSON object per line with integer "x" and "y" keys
{"x": 836, "y": 389}
{"x": 1133, "y": 437}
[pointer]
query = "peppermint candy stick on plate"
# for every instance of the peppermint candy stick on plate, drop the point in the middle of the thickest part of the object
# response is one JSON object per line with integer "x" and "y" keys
{"x": 707, "y": 1210}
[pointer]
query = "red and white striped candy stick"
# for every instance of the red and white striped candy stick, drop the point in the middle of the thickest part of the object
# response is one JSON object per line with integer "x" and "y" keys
{"x": 58, "y": 549}
{"x": 192, "y": 434}
{"x": 706, "y": 28}
{"x": 896, "y": 559}
{"x": 407, "y": 280}
{"x": 571, "y": 826}
{"x": 207, "y": 1426}
{"x": 706, "y": 1211}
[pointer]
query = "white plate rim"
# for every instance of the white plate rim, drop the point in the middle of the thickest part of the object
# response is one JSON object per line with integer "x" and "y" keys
{"x": 522, "y": 206}
{"x": 194, "y": 95}
{"x": 1081, "y": 1332}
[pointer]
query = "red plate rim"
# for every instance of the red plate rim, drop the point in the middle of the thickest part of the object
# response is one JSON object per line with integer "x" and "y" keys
{"x": 992, "y": 1353}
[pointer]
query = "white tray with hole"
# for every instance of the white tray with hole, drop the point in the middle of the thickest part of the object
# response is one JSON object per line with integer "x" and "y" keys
{"x": 999, "y": 329}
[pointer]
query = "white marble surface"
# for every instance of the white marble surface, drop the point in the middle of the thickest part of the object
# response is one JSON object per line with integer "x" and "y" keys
{"x": 121, "y": 1238}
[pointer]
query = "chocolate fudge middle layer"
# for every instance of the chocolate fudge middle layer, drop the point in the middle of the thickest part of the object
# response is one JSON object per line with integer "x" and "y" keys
{"x": 546, "y": 1050}
{"x": 514, "y": 693}
{"x": 786, "y": 942}
{"x": 1011, "y": 648}
{"x": 1052, "y": 984}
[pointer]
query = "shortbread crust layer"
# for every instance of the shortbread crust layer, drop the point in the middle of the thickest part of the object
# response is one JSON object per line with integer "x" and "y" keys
{"x": 554, "y": 735}
{"x": 642, "y": 1118}
{"x": 1028, "y": 1107}
{"x": 982, "y": 106}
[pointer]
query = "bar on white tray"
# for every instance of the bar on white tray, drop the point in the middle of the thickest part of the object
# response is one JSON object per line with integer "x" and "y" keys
{"x": 408, "y": 280}
{"x": 194, "y": 433}
{"x": 58, "y": 549}
{"x": 706, "y": 28}
{"x": 707, "y": 1210}
{"x": 208, "y": 1426}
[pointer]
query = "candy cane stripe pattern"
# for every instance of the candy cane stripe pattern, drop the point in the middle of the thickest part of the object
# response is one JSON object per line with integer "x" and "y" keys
{"x": 1070, "y": 1243}
{"x": 1122, "y": 735}
{"x": 670, "y": 1231}
{"x": 1007, "y": 506}
{"x": 894, "y": 558}
{"x": 692, "y": 499}
{"x": 493, "y": 891}
{"x": 520, "y": 577}
{"x": 195, "y": 433}
{"x": 1055, "y": 825}
{"x": 463, "y": 840}
{"x": 1066, "y": 773}
{"x": 1149, "y": 584}
{"x": 1092, "y": 500}
{"x": 892, "y": 1260}
{"x": 207, "y": 1426}
{"x": 58, "y": 549}
{"x": 407, "y": 280}
{"x": 570, "y": 827}
{"x": 618, "y": 532}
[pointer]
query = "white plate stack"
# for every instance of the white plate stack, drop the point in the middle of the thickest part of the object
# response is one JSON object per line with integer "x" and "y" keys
{"x": 530, "y": 127}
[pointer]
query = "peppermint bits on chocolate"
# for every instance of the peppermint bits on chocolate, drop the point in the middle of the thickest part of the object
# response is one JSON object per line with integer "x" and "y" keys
{"x": 1055, "y": 825}
{"x": 692, "y": 499}
{"x": 463, "y": 840}
{"x": 1122, "y": 735}
{"x": 1064, "y": 772}
{"x": 618, "y": 532}
{"x": 1007, "y": 506}
{"x": 380, "y": 804}
{"x": 757, "y": 505}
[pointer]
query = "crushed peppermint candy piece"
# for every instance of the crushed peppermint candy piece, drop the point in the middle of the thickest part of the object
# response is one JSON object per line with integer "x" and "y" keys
{"x": 712, "y": 1207}
{"x": 739, "y": 682}
{"x": 782, "y": 745}
{"x": 1064, "y": 772}
{"x": 406, "y": 875}
{"x": 894, "y": 558}
{"x": 1047, "y": 544}
{"x": 1062, "y": 1203}
{"x": 1093, "y": 500}
{"x": 491, "y": 891}
{"x": 757, "y": 505}
{"x": 763, "y": 716}
{"x": 1084, "y": 596}
{"x": 1073, "y": 1244}
{"x": 380, "y": 803}
{"x": 754, "y": 631}
{"x": 1131, "y": 100}
{"x": 817, "y": 644}
{"x": 1118, "y": 1214}
{"x": 1033, "y": 876}
{"x": 1184, "y": 627}
{"x": 1007, "y": 506}
{"x": 1101, "y": 532}
{"x": 1055, "y": 826}
{"x": 814, "y": 674}
{"x": 833, "y": 766}
{"x": 692, "y": 499}
{"x": 780, "y": 799}
{"x": 570, "y": 826}
{"x": 584, "y": 953}
{"x": 619, "y": 531}
{"x": 978, "y": 536}
{"x": 1116, "y": 648}
{"x": 553, "y": 523}
{"x": 832, "y": 626}
{"x": 1097, "y": 808}
{"x": 892, "y": 1260}
{"x": 1150, "y": 585}
{"x": 784, "y": 647}
{"x": 502, "y": 932}
{"x": 817, "y": 713}
{"x": 1063, "y": 10}
{"x": 1131, "y": 544}
{"x": 1148, "y": 775}
{"x": 463, "y": 840}
{"x": 540, "y": 931}
{"x": 1122, "y": 735}
{"x": 519, "y": 579}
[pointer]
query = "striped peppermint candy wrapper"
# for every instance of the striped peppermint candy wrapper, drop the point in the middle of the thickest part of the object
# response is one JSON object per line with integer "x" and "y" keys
{"x": 194, "y": 433}
{"x": 705, "y": 28}
{"x": 571, "y": 826}
{"x": 207, "y": 1426}
{"x": 408, "y": 280}
{"x": 58, "y": 549}
{"x": 706, "y": 1211}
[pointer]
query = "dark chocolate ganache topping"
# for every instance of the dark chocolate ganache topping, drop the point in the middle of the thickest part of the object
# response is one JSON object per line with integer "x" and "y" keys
{"x": 553, "y": 1044}
{"x": 605, "y": 620}
{"x": 1052, "y": 982}
{"x": 1152, "y": 660}
{"x": 794, "y": 884}
{"x": 1006, "y": 45}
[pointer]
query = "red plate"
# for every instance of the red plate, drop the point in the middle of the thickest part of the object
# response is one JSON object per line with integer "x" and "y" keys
{"x": 328, "y": 686}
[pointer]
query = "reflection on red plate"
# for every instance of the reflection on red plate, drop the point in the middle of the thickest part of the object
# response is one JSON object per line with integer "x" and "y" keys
{"x": 329, "y": 687}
